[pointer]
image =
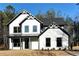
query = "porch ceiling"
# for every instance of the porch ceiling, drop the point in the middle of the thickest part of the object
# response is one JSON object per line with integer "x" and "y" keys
{"x": 22, "y": 36}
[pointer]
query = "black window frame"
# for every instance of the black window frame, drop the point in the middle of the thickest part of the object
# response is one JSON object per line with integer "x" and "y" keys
{"x": 18, "y": 29}
{"x": 15, "y": 29}
{"x": 48, "y": 42}
{"x": 16, "y": 42}
{"x": 59, "y": 42}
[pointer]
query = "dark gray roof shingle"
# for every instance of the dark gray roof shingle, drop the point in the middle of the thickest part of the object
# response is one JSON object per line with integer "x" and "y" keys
{"x": 59, "y": 21}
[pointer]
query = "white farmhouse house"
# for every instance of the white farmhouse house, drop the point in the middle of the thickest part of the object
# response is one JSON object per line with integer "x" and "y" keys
{"x": 26, "y": 32}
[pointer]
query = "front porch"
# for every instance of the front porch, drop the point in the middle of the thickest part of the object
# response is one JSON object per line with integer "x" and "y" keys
{"x": 21, "y": 43}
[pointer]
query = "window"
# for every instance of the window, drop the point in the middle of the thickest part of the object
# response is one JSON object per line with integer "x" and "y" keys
{"x": 34, "y": 28}
{"x": 16, "y": 42}
{"x": 59, "y": 42}
{"x": 47, "y": 42}
{"x": 26, "y": 28}
{"x": 17, "y": 29}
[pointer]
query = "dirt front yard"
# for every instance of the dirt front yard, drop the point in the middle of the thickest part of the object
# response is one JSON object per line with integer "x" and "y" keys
{"x": 32, "y": 53}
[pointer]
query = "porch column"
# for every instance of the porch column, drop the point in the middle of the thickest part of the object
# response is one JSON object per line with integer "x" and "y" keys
{"x": 23, "y": 44}
{"x": 10, "y": 43}
{"x": 29, "y": 43}
{"x": 20, "y": 44}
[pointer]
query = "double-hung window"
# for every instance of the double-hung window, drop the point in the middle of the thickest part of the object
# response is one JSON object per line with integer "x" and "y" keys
{"x": 48, "y": 42}
{"x": 59, "y": 42}
{"x": 34, "y": 28}
{"x": 26, "y": 28}
{"x": 17, "y": 29}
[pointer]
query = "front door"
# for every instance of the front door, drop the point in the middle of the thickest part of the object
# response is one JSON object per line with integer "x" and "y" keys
{"x": 26, "y": 43}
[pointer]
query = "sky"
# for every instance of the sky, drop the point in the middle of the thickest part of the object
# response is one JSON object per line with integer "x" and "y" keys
{"x": 66, "y": 9}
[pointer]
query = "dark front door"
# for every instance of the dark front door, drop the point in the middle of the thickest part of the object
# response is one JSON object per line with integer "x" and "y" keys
{"x": 26, "y": 43}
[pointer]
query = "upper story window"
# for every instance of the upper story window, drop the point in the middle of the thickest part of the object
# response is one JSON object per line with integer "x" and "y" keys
{"x": 26, "y": 28}
{"x": 17, "y": 29}
{"x": 34, "y": 28}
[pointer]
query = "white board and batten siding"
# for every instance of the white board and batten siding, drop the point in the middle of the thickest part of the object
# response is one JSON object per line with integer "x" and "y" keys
{"x": 16, "y": 22}
{"x": 53, "y": 34}
{"x": 34, "y": 45}
{"x": 31, "y": 22}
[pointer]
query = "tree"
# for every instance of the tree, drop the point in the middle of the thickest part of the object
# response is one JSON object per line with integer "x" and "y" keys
{"x": 9, "y": 10}
{"x": 9, "y": 13}
{"x": 69, "y": 23}
{"x": 69, "y": 29}
{"x": 76, "y": 30}
{"x": 50, "y": 14}
{"x": 1, "y": 27}
{"x": 40, "y": 16}
{"x": 59, "y": 13}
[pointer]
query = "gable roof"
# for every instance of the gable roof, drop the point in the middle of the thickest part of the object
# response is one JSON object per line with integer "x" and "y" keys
{"x": 57, "y": 26}
{"x": 23, "y": 12}
{"x": 59, "y": 21}
{"x": 33, "y": 17}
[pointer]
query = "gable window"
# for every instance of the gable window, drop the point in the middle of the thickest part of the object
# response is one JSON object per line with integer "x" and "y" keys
{"x": 34, "y": 28}
{"x": 26, "y": 28}
{"x": 48, "y": 42}
{"x": 17, "y": 29}
{"x": 59, "y": 42}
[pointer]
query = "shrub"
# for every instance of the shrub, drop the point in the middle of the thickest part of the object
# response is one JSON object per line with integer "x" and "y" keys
{"x": 64, "y": 49}
{"x": 53, "y": 49}
{"x": 59, "y": 49}
{"x": 42, "y": 49}
{"x": 48, "y": 49}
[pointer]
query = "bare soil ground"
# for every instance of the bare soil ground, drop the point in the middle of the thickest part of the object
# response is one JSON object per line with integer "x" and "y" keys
{"x": 76, "y": 48}
{"x": 32, "y": 53}
{"x": 75, "y": 51}
{"x": 39, "y": 53}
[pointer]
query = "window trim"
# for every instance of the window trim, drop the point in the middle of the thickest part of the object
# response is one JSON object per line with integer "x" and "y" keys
{"x": 57, "y": 42}
{"x": 35, "y": 26}
{"x": 25, "y": 28}
{"x": 18, "y": 29}
{"x": 48, "y": 44}
{"x": 16, "y": 42}
{"x": 15, "y": 29}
